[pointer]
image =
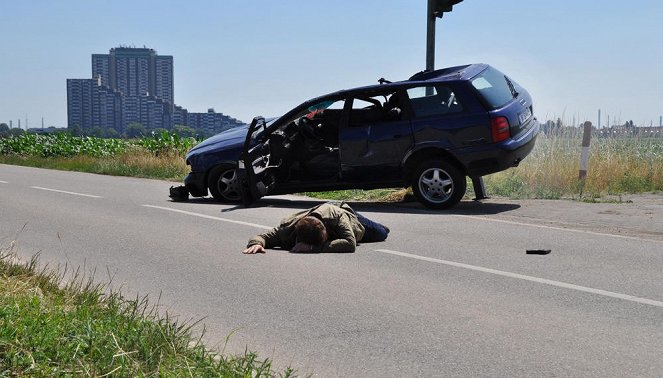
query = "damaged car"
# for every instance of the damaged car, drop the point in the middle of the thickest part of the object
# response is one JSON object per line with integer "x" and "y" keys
{"x": 429, "y": 132}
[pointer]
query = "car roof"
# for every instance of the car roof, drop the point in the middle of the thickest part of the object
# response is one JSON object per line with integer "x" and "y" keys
{"x": 450, "y": 74}
{"x": 457, "y": 73}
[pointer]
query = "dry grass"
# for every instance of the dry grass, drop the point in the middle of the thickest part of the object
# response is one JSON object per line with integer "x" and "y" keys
{"x": 616, "y": 166}
{"x": 136, "y": 163}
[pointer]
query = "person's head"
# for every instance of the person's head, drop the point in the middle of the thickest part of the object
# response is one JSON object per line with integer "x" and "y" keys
{"x": 311, "y": 230}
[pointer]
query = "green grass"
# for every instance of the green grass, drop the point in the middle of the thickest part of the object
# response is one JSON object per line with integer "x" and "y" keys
{"x": 50, "y": 326}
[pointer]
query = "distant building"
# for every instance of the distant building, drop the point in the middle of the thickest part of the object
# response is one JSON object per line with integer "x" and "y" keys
{"x": 90, "y": 105}
{"x": 211, "y": 121}
{"x": 136, "y": 72}
{"x": 131, "y": 85}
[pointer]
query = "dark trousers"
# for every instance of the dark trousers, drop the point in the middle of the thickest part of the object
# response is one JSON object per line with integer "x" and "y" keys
{"x": 375, "y": 232}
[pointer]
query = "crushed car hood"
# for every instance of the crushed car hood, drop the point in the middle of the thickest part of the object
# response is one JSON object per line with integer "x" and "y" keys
{"x": 230, "y": 137}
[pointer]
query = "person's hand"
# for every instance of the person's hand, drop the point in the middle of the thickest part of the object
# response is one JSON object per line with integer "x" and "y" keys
{"x": 256, "y": 248}
{"x": 302, "y": 247}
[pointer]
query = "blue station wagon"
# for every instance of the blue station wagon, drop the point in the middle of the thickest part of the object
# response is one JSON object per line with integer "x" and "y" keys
{"x": 429, "y": 132}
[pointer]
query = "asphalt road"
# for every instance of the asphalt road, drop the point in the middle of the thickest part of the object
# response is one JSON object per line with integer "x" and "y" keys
{"x": 448, "y": 294}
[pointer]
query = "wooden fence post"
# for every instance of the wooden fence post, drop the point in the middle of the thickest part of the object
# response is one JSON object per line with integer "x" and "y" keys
{"x": 584, "y": 154}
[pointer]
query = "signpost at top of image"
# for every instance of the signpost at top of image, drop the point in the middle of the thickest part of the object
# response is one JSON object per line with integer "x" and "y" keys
{"x": 436, "y": 9}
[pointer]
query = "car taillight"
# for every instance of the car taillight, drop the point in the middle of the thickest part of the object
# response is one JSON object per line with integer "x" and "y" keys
{"x": 500, "y": 129}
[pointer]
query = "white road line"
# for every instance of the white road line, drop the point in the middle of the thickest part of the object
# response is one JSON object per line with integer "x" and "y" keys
{"x": 565, "y": 285}
{"x": 3, "y": 182}
{"x": 66, "y": 192}
{"x": 557, "y": 228}
{"x": 210, "y": 217}
{"x": 626, "y": 297}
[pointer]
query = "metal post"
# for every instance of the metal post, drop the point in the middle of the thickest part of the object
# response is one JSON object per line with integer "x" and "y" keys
{"x": 479, "y": 188}
{"x": 430, "y": 36}
{"x": 584, "y": 155}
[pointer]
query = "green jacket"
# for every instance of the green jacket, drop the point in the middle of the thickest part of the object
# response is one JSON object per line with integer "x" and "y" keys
{"x": 343, "y": 229}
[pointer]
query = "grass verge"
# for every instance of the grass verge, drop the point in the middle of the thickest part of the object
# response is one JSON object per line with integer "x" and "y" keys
{"x": 49, "y": 327}
{"x": 166, "y": 166}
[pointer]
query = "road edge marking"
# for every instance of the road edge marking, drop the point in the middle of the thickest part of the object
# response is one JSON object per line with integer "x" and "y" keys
{"x": 556, "y": 228}
{"x": 66, "y": 192}
{"x": 545, "y": 281}
{"x": 209, "y": 217}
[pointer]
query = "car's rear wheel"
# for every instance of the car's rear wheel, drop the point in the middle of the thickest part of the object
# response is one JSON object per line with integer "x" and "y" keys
{"x": 438, "y": 184}
{"x": 223, "y": 183}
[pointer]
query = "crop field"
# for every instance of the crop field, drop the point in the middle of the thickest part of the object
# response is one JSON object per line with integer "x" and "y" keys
{"x": 159, "y": 156}
{"x": 65, "y": 145}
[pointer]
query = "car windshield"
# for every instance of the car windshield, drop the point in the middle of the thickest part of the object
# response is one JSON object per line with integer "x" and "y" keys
{"x": 320, "y": 106}
{"x": 494, "y": 87}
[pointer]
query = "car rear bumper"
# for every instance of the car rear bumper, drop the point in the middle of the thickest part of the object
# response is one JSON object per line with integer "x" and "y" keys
{"x": 504, "y": 155}
{"x": 195, "y": 184}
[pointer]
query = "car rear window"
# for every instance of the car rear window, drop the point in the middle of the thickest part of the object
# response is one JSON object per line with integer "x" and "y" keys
{"x": 433, "y": 101}
{"x": 494, "y": 87}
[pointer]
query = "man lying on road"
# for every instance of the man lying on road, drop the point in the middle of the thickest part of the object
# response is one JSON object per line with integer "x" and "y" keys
{"x": 329, "y": 227}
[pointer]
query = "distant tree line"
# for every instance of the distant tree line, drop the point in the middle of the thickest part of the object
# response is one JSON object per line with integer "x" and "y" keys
{"x": 6, "y": 132}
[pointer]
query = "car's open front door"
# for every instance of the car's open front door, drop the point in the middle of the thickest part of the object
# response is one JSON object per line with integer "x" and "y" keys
{"x": 254, "y": 162}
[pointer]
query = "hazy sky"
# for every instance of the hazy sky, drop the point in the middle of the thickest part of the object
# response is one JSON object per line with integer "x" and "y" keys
{"x": 263, "y": 57}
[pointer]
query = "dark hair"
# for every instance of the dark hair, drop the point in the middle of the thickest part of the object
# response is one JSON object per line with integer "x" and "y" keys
{"x": 310, "y": 230}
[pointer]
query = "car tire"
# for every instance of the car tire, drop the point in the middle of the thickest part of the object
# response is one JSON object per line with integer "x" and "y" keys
{"x": 438, "y": 184}
{"x": 223, "y": 183}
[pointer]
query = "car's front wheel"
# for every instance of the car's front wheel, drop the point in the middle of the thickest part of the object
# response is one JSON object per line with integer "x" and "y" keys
{"x": 438, "y": 184}
{"x": 223, "y": 183}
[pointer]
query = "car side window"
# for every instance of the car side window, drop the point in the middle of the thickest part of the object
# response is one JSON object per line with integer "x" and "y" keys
{"x": 433, "y": 100}
{"x": 375, "y": 109}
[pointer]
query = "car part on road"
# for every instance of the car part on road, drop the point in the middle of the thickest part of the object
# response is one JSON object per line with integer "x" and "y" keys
{"x": 179, "y": 193}
{"x": 537, "y": 251}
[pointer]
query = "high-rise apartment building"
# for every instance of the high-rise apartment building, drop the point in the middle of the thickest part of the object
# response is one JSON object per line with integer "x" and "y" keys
{"x": 133, "y": 85}
{"x": 136, "y": 72}
{"x": 90, "y": 104}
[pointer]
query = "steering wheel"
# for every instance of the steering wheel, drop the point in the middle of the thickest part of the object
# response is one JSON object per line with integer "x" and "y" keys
{"x": 307, "y": 128}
